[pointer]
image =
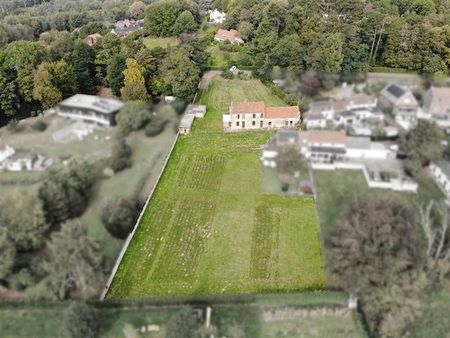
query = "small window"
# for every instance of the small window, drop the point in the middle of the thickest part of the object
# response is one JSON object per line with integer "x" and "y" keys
{"x": 254, "y": 116}
{"x": 262, "y": 115}
{"x": 238, "y": 116}
{"x": 253, "y": 123}
{"x": 270, "y": 124}
{"x": 237, "y": 124}
{"x": 229, "y": 124}
{"x": 261, "y": 124}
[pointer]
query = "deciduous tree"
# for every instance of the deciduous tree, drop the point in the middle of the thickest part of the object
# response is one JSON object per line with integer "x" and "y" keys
{"x": 22, "y": 214}
{"x": 73, "y": 262}
{"x": 134, "y": 82}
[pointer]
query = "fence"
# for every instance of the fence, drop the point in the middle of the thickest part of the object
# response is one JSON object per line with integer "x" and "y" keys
{"x": 130, "y": 236}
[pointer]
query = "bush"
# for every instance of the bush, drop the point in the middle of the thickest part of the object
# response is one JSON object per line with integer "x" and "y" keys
{"x": 153, "y": 130}
{"x": 184, "y": 324}
{"x": 39, "y": 125}
{"x": 226, "y": 74}
{"x": 133, "y": 116}
{"x": 81, "y": 321}
{"x": 120, "y": 156}
{"x": 118, "y": 216}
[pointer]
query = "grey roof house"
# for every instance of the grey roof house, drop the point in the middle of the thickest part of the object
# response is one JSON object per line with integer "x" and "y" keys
{"x": 437, "y": 101}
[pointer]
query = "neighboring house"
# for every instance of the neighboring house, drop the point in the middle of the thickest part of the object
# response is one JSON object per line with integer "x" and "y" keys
{"x": 315, "y": 121}
{"x": 440, "y": 172}
{"x": 92, "y": 39}
{"x": 255, "y": 115}
{"x": 325, "y": 108}
{"x": 232, "y": 36}
{"x": 217, "y": 17}
{"x": 190, "y": 114}
{"x": 21, "y": 160}
{"x": 91, "y": 109}
{"x": 123, "y": 28}
{"x": 332, "y": 150}
{"x": 437, "y": 101}
{"x": 401, "y": 103}
{"x": 358, "y": 111}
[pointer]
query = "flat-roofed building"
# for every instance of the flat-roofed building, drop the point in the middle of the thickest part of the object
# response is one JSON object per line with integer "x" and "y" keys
{"x": 91, "y": 109}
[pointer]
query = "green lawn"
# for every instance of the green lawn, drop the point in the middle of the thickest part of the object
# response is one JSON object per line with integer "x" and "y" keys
{"x": 434, "y": 319}
{"x": 312, "y": 314}
{"x": 48, "y": 321}
{"x": 154, "y": 42}
{"x": 221, "y": 59}
{"x": 209, "y": 229}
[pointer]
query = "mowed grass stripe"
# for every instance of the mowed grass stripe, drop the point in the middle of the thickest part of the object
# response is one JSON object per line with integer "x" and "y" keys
{"x": 197, "y": 235}
{"x": 264, "y": 261}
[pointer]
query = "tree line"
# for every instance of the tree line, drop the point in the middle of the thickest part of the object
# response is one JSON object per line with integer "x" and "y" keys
{"x": 344, "y": 37}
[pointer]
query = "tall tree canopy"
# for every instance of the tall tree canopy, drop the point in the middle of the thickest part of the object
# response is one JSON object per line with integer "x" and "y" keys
{"x": 376, "y": 256}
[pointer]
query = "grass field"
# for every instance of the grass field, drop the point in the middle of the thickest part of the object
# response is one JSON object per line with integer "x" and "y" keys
{"x": 208, "y": 228}
{"x": 244, "y": 318}
{"x": 434, "y": 319}
{"x": 48, "y": 321}
{"x": 154, "y": 42}
{"x": 221, "y": 59}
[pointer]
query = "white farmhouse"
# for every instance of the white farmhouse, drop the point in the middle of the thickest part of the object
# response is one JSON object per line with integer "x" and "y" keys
{"x": 255, "y": 115}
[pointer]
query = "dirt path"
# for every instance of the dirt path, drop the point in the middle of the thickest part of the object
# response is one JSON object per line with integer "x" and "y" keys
{"x": 207, "y": 77}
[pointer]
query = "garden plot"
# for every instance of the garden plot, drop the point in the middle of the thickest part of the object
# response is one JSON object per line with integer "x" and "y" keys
{"x": 208, "y": 228}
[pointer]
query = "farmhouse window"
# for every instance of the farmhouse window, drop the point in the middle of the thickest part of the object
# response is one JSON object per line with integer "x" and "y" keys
{"x": 254, "y": 123}
{"x": 261, "y": 124}
{"x": 237, "y": 124}
{"x": 254, "y": 116}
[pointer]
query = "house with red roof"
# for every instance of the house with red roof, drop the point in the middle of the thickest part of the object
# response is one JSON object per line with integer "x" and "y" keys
{"x": 255, "y": 115}
{"x": 232, "y": 35}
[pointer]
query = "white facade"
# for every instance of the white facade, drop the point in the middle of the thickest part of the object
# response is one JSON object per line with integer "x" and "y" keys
{"x": 89, "y": 108}
{"x": 441, "y": 175}
{"x": 217, "y": 17}
{"x": 255, "y": 115}
{"x": 330, "y": 150}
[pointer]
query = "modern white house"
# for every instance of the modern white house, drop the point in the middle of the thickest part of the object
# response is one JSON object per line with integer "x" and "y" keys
{"x": 216, "y": 16}
{"x": 256, "y": 115}
{"x": 90, "y": 109}
{"x": 21, "y": 160}
{"x": 190, "y": 114}
{"x": 333, "y": 150}
{"x": 440, "y": 172}
{"x": 351, "y": 110}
